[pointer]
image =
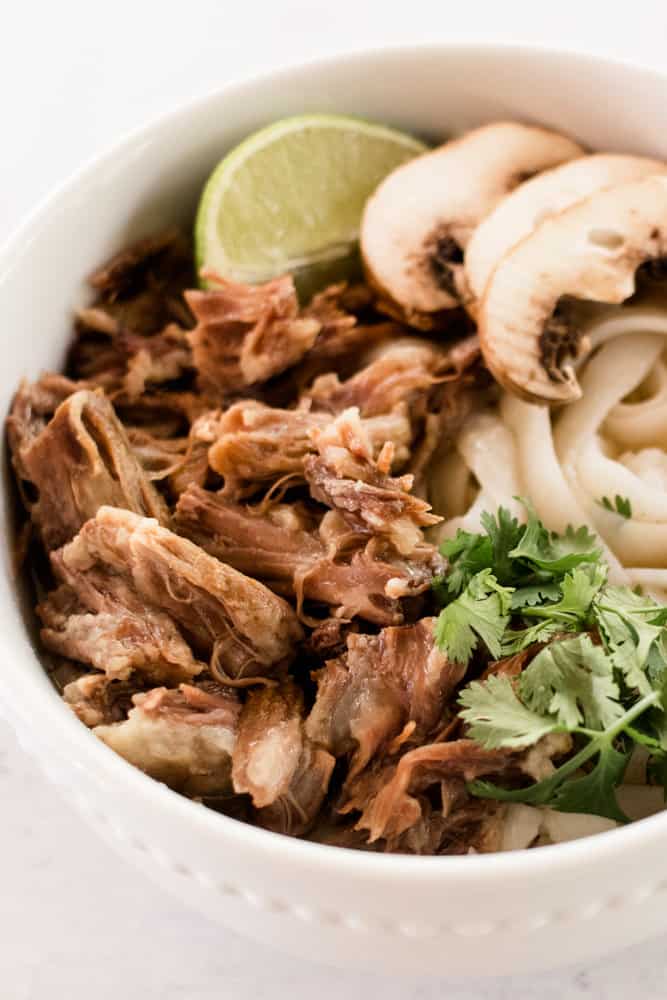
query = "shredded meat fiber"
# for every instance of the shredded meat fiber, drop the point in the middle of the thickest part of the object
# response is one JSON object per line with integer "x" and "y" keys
{"x": 227, "y": 516}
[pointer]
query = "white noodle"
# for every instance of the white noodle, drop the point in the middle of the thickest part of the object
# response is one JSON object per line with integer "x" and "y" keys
{"x": 613, "y": 441}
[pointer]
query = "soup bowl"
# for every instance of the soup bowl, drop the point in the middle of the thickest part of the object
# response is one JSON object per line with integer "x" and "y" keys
{"x": 470, "y": 915}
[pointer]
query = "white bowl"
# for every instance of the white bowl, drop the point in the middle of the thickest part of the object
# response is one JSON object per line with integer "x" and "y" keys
{"x": 460, "y": 915}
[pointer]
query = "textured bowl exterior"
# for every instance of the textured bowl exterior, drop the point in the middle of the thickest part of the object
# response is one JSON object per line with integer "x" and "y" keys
{"x": 477, "y": 915}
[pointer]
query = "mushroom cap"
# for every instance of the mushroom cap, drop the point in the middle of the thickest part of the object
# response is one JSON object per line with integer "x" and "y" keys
{"x": 590, "y": 251}
{"x": 419, "y": 220}
{"x": 540, "y": 197}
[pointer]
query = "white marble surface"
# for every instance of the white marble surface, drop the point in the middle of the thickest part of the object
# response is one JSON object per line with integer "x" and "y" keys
{"x": 74, "y": 920}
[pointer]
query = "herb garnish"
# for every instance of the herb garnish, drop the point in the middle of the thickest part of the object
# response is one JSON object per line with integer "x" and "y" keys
{"x": 601, "y": 675}
{"x": 621, "y": 505}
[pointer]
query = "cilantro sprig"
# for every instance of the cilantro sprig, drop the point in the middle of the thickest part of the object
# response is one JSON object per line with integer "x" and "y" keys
{"x": 600, "y": 676}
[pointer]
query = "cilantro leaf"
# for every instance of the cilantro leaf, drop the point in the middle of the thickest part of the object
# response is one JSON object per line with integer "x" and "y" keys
{"x": 515, "y": 585}
{"x": 504, "y": 532}
{"x": 620, "y": 506}
{"x": 535, "y": 593}
{"x": 595, "y": 792}
{"x": 632, "y": 629}
{"x": 517, "y": 639}
{"x": 552, "y": 553}
{"x": 578, "y": 588}
{"x": 480, "y": 612}
{"x": 496, "y": 718}
{"x": 468, "y": 554}
{"x": 573, "y": 681}
{"x": 619, "y": 638}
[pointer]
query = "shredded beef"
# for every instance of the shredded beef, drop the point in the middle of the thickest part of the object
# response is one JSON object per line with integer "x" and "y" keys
{"x": 275, "y": 762}
{"x": 79, "y": 461}
{"x": 246, "y": 333}
{"x": 227, "y": 537}
{"x": 183, "y": 737}
{"x": 391, "y": 798}
{"x": 140, "y": 289}
{"x": 100, "y": 700}
{"x": 286, "y": 547}
{"x": 255, "y": 445}
{"x": 122, "y": 561}
{"x": 345, "y": 476}
{"x": 386, "y": 687}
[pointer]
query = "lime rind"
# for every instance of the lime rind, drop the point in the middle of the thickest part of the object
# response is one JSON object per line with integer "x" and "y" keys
{"x": 319, "y": 185}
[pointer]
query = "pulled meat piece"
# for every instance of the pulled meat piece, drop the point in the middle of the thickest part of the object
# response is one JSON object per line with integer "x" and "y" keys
{"x": 183, "y": 737}
{"x": 284, "y": 546}
{"x": 194, "y": 468}
{"x": 97, "y": 699}
{"x": 140, "y": 289}
{"x": 80, "y": 460}
{"x": 395, "y": 373}
{"x": 437, "y": 384}
{"x": 391, "y": 796}
{"x": 127, "y": 267}
{"x": 249, "y": 334}
{"x": 328, "y": 639}
{"x": 120, "y": 361}
{"x": 337, "y": 348}
{"x": 163, "y": 357}
{"x": 119, "y": 558}
{"x": 345, "y": 477}
{"x": 276, "y": 543}
{"x": 386, "y": 687}
{"x": 477, "y": 826}
{"x": 161, "y": 413}
{"x": 274, "y": 761}
{"x": 258, "y": 444}
{"x": 105, "y": 625}
{"x": 246, "y": 333}
{"x": 159, "y": 457}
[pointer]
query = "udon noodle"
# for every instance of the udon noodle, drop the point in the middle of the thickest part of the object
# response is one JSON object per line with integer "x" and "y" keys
{"x": 613, "y": 441}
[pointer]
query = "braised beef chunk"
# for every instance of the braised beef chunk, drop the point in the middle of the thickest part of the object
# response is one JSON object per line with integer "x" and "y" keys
{"x": 395, "y": 372}
{"x": 247, "y": 333}
{"x": 345, "y": 476}
{"x": 227, "y": 531}
{"x": 79, "y": 461}
{"x": 391, "y": 795}
{"x": 229, "y": 619}
{"x": 184, "y": 737}
{"x": 163, "y": 358}
{"x": 103, "y": 623}
{"x": 254, "y": 445}
{"x": 98, "y": 699}
{"x": 141, "y": 288}
{"x": 295, "y": 552}
{"x": 286, "y": 775}
{"x": 390, "y": 687}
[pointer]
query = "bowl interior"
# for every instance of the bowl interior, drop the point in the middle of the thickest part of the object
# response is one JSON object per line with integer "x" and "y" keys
{"x": 154, "y": 177}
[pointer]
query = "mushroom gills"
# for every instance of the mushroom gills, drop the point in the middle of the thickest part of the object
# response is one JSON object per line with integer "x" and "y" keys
{"x": 417, "y": 224}
{"x": 538, "y": 312}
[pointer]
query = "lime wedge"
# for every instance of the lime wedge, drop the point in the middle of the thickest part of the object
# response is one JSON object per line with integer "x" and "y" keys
{"x": 290, "y": 198}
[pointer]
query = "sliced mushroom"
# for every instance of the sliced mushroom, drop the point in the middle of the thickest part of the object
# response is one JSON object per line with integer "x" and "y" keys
{"x": 541, "y": 197}
{"x": 530, "y": 326}
{"x": 419, "y": 220}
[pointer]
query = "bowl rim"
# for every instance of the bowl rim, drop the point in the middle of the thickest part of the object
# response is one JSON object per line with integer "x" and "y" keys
{"x": 64, "y": 730}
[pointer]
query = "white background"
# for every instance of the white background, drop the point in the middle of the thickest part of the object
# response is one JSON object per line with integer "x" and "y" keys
{"x": 75, "y": 922}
